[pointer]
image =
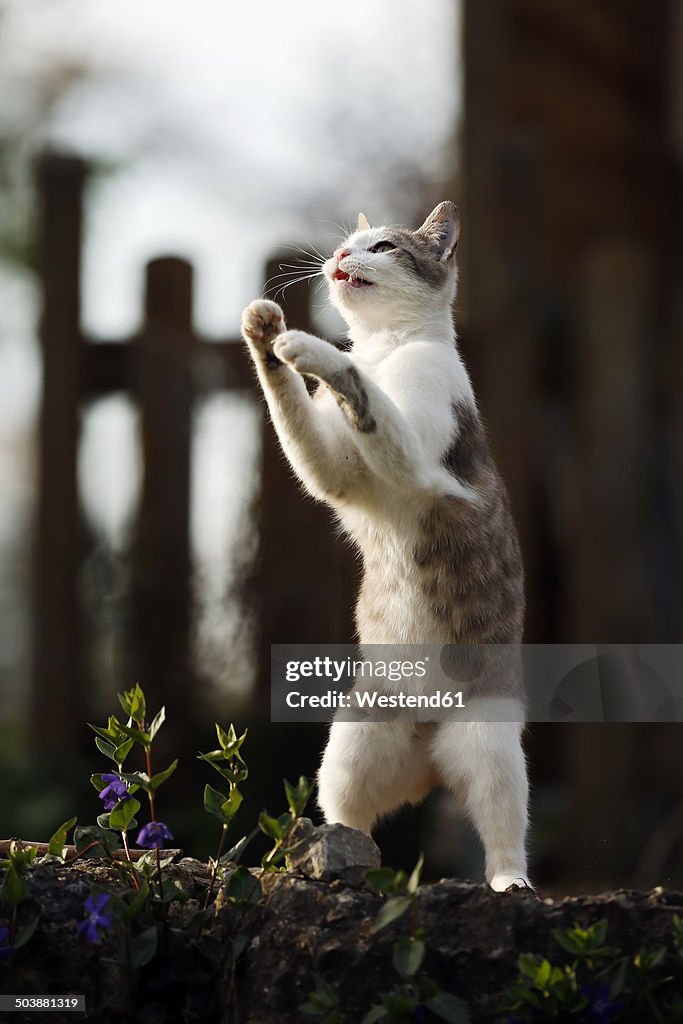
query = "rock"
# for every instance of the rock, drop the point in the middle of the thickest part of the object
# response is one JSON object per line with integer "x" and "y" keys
{"x": 331, "y": 851}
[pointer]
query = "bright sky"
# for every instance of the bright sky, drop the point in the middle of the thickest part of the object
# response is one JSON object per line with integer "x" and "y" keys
{"x": 221, "y": 130}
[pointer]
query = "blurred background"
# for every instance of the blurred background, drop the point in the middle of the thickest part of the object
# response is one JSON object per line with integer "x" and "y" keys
{"x": 158, "y": 165}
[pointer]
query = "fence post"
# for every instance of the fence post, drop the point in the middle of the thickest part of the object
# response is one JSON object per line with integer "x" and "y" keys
{"x": 57, "y": 710}
{"x": 161, "y": 584}
{"x": 306, "y": 573}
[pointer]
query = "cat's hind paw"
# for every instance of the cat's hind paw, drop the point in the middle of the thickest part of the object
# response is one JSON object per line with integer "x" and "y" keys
{"x": 511, "y": 883}
{"x": 262, "y": 321}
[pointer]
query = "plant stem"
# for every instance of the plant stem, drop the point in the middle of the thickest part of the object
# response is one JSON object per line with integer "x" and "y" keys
{"x": 124, "y": 836}
{"x": 152, "y": 814}
{"x": 161, "y": 883}
{"x": 215, "y": 867}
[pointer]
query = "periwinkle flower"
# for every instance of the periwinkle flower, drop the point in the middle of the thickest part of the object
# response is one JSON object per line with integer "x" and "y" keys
{"x": 115, "y": 791}
{"x": 94, "y": 905}
{"x": 601, "y": 1009}
{"x": 154, "y": 835}
{"x": 5, "y": 943}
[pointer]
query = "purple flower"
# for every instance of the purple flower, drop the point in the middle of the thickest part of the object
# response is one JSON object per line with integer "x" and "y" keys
{"x": 601, "y": 1009}
{"x": 94, "y": 905}
{"x": 115, "y": 791}
{"x": 5, "y": 944}
{"x": 154, "y": 835}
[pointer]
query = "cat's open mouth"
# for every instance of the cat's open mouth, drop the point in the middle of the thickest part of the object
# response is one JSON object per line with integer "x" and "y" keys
{"x": 354, "y": 282}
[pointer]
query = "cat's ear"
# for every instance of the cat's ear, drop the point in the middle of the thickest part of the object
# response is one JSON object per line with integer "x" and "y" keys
{"x": 442, "y": 230}
{"x": 363, "y": 223}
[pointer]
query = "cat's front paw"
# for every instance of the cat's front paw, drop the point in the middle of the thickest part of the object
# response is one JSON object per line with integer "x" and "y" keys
{"x": 305, "y": 353}
{"x": 262, "y": 322}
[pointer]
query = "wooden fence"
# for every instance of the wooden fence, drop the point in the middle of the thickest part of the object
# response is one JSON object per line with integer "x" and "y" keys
{"x": 303, "y": 577}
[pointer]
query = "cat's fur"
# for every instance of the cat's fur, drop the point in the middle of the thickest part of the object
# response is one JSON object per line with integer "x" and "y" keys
{"x": 392, "y": 440}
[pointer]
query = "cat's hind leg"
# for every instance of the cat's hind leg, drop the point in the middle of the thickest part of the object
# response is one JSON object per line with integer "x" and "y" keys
{"x": 369, "y": 769}
{"x": 483, "y": 763}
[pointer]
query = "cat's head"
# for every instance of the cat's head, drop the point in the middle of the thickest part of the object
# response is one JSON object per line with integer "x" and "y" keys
{"x": 391, "y": 274}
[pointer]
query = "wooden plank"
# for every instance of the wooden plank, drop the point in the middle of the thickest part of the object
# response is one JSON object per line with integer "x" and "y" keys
{"x": 162, "y": 381}
{"x": 58, "y": 691}
{"x": 216, "y": 366}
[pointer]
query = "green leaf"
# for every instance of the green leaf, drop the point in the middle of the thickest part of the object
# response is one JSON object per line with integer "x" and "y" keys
{"x": 449, "y": 1008}
{"x": 112, "y": 733}
{"x": 108, "y": 842}
{"x": 235, "y": 852}
{"x": 285, "y": 821}
{"x": 584, "y": 942}
{"x": 408, "y": 956}
{"x": 619, "y": 979}
{"x": 123, "y": 750}
{"x": 415, "y": 876}
{"x": 103, "y": 820}
{"x": 135, "y": 780}
{"x": 171, "y": 891}
{"x": 136, "y": 904}
{"x": 222, "y": 807}
{"x": 160, "y": 777}
{"x": 133, "y": 703}
{"x": 157, "y": 722}
{"x": 271, "y": 826}
{"x": 30, "y": 915}
{"x": 13, "y": 890}
{"x": 230, "y": 742}
{"x": 122, "y": 815}
{"x": 213, "y": 801}
{"x": 211, "y": 948}
{"x": 392, "y": 909}
{"x": 231, "y": 806}
{"x": 143, "y": 947}
{"x": 375, "y": 1014}
{"x": 143, "y": 738}
{"x": 381, "y": 878}
{"x": 226, "y": 739}
{"x": 242, "y": 888}
{"x": 322, "y": 1002}
{"x": 55, "y": 846}
{"x": 106, "y": 748}
{"x": 298, "y": 796}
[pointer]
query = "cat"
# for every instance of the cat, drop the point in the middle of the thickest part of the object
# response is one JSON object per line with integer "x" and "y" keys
{"x": 393, "y": 442}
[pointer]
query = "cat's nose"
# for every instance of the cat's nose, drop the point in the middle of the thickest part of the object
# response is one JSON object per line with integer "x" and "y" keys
{"x": 340, "y": 254}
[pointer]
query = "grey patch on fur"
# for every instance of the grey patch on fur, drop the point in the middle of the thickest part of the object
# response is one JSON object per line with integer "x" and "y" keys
{"x": 416, "y": 254}
{"x": 468, "y": 454}
{"x": 468, "y": 555}
{"x": 353, "y": 399}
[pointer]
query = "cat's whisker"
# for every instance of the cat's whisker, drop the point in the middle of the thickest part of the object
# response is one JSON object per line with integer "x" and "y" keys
{"x": 312, "y": 255}
{"x": 293, "y": 272}
{"x": 281, "y": 289}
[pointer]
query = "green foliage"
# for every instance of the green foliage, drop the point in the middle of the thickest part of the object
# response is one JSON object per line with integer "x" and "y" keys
{"x": 280, "y": 829}
{"x": 13, "y": 889}
{"x": 322, "y": 1002}
{"x": 415, "y": 992}
{"x": 599, "y": 983}
{"x": 57, "y": 842}
{"x": 133, "y": 703}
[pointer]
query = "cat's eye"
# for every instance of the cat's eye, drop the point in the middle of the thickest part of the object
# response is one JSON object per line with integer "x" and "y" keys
{"x": 381, "y": 247}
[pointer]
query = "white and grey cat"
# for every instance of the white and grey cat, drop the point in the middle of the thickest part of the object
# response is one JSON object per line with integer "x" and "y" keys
{"x": 392, "y": 441}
